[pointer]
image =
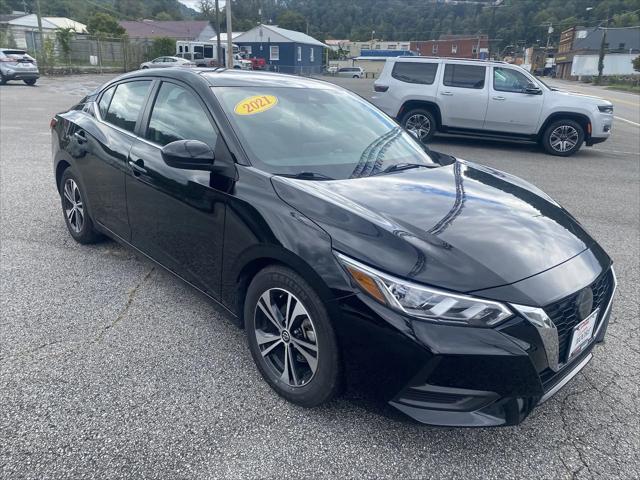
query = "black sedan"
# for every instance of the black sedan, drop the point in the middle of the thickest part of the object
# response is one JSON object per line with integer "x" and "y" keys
{"x": 350, "y": 254}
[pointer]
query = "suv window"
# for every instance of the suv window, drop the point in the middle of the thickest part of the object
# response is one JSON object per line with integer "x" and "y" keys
{"x": 413, "y": 72}
{"x": 105, "y": 100}
{"x": 126, "y": 104}
{"x": 178, "y": 115}
{"x": 509, "y": 80}
{"x": 464, "y": 76}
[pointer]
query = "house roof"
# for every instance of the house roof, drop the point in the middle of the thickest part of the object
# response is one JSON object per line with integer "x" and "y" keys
{"x": 169, "y": 28}
{"x": 288, "y": 35}
{"x": 592, "y": 38}
{"x": 49, "y": 23}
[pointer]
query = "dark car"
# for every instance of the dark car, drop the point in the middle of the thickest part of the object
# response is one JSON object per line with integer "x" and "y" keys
{"x": 351, "y": 254}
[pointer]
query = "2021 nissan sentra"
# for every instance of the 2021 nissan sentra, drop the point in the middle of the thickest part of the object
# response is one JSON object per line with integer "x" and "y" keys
{"x": 349, "y": 253}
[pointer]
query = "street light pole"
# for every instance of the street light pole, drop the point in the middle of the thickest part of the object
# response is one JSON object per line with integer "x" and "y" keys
{"x": 219, "y": 47}
{"x": 43, "y": 54}
{"x": 227, "y": 5}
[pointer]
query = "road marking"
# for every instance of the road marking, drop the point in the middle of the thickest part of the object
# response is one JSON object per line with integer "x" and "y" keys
{"x": 627, "y": 121}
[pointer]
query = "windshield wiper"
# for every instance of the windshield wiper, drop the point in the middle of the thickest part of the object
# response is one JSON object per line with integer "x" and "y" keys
{"x": 397, "y": 167}
{"x": 306, "y": 176}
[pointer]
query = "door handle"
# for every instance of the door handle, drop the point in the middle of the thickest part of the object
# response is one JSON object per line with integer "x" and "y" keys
{"x": 80, "y": 137}
{"x": 448, "y": 94}
{"x": 499, "y": 98}
{"x": 137, "y": 167}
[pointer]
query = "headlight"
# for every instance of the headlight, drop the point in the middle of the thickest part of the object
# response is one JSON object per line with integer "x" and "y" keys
{"x": 606, "y": 108}
{"x": 424, "y": 302}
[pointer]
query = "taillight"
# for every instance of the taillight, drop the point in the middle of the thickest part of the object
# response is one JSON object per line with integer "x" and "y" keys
{"x": 381, "y": 88}
{"x": 53, "y": 123}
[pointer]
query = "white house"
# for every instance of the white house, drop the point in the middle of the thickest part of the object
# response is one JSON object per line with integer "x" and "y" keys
{"x": 25, "y": 29}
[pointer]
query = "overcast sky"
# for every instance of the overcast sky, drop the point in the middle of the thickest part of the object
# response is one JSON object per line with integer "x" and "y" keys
{"x": 195, "y": 3}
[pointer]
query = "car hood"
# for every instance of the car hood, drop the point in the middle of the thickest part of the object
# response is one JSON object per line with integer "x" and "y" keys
{"x": 463, "y": 227}
{"x": 583, "y": 97}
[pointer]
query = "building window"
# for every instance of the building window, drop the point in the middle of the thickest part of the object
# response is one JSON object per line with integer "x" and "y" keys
{"x": 392, "y": 46}
{"x": 377, "y": 46}
{"x": 621, "y": 46}
{"x": 311, "y": 54}
{"x": 299, "y": 54}
{"x": 274, "y": 52}
{"x": 434, "y": 49}
{"x": 454, "y": 48}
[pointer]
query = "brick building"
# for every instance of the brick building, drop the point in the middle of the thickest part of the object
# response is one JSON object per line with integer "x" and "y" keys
{"x": 458, "y": 46}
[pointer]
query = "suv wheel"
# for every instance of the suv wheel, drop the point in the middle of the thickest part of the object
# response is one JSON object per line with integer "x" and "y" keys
{"x": 74, "y": 207}
{"x": 30, "y": 81}
{"x": 2, "y": 79}
{"x": 563, "y": 138}
{"x": 291, "y": 338}
{"x": 420, "y": 123}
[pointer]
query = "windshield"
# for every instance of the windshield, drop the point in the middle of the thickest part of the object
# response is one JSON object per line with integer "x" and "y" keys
{"x": 328, "y": 132}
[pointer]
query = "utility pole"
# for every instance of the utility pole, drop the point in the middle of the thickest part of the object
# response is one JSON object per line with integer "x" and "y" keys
{"x": 219, "y": 46}
{"x": 227, "y": 7}
{"x": 43, "y": 54}
{"x": 603, "y": 45}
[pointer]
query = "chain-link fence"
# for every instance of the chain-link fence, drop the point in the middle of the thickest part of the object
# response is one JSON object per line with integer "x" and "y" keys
{"x": 87, "y": 53}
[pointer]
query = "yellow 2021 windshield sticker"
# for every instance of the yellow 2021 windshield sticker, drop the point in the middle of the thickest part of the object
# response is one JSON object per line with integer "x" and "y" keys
{"x": 255, "y": 104}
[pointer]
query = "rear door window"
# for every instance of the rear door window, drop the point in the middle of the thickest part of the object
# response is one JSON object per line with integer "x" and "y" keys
{"x": 127, "y": 103}
{"x": 414, "y": 72}
{"x": 178, "y": 115}
{"x": 105, "y": 100}
{"x": 464, "y": 76}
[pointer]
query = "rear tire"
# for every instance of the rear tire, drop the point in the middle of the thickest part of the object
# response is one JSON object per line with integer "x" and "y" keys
{"x": 291, "y": 338}
{"x": 2, "y": 79}
{"x": 356, "y": 76}
{"x": 31, "y": 81}
{"x": 420, "y": 123}
{"x": 563, "y": 138}
{"x": 75, "y": 210}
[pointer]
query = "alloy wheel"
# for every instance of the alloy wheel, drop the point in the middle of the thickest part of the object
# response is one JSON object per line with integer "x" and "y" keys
{"x": 419, "y": 126}
{"x": 286, "y": 337}
{"x": 564, "y": 138}
{"x": 73, "y": 205}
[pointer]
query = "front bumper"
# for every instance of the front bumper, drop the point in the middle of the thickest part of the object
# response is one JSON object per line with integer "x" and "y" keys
{"x": 454, "y": 376}
{"x": 601, "y": 126}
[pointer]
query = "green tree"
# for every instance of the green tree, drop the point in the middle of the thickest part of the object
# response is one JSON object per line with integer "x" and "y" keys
{"x": 292, "y": 21}
{"x": 104, "y": 24}
{"x": 163, "y": 16}
{"x": 636, "y": 63}
{"x": 64, "y": 37}
{"x": 163, "y": 46}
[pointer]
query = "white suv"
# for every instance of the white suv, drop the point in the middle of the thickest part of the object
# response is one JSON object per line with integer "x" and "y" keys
{"x": 489, "y": 99}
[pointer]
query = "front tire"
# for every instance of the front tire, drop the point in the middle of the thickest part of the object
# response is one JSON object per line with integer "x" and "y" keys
{"x": 3, "y": 80}
{"x": 74, "y": 209}
{"x": 31, "y": 82}
{"x": 420, "y": 123}
{"x": 563, "y": 138}
{"x": 291, "y": 338}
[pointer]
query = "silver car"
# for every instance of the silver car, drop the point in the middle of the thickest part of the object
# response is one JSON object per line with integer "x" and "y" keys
{"x": 17, "y": 65}
{"x": 351, "y": 72}
{"x": 164, "y": 62}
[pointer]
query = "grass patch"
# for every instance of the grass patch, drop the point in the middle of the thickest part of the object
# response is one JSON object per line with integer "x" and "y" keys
{"x": 625, "y": 88}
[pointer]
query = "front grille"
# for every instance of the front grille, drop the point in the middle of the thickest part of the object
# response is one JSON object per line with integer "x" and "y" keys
{"x": 564, "y": 313}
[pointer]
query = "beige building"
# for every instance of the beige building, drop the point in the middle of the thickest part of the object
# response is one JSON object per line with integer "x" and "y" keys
{"x": 355, "y": 48}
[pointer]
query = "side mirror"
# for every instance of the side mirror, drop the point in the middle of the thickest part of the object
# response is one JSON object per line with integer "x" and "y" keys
{"x": 532, "y": 90}
{"x": 188, "y": 155}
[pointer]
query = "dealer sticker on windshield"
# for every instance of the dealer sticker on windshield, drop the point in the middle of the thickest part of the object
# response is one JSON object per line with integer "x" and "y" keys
{"x": 255, "y": 104}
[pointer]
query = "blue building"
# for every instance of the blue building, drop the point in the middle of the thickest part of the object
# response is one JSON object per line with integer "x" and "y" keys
{"x": 284, "y": 50}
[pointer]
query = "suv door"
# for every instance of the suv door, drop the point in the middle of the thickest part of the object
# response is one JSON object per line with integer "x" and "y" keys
{"x": 177, "y": 216}
{"x": 463, "y": 95}
{"x": 105, "y": 141}
{"x": 511, "y": 109}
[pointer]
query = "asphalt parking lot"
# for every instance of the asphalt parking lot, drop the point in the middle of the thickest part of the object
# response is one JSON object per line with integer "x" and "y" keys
{"x": 111, "y": 367}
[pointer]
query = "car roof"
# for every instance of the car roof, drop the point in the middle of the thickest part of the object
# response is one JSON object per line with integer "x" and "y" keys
{"x": 225, "y": 77}
{"x": 474, "y": 61}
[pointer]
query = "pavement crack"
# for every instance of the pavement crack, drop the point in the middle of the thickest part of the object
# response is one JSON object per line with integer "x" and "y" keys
{"x": 125, "y": 309}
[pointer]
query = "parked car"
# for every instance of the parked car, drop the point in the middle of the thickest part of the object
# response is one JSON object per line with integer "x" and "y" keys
{"x": 348, "y": 251}
{"x": 488, "y": 99}
{"x": 352, "y": 72}
{"x": 166, "y": 62}
{"x": 17, "y": 64}
{"x": 332, "y": 69}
